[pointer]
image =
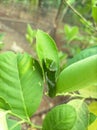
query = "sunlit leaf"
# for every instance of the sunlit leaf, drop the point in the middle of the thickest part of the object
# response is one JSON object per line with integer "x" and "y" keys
{"x": 82, "y": 114}
{"x": 3, "y": 123}
{"x": 93, "y": 109}
{"x": 89, "y": 92}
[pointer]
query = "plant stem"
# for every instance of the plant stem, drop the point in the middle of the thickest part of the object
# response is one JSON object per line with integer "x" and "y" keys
{"x": 37, "y": 126}
{"x": 34, "y": 126}
{"x": 25, "y": 121}
{"x": 80, "y": 16}
{"x": 18, "y": 123}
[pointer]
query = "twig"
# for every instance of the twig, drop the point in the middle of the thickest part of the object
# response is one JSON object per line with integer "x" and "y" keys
{"x": 80, "y": 16}
{"x": 70, "y": 96}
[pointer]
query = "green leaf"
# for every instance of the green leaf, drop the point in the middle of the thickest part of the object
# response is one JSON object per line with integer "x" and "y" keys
{"x": 93, "y": 2}
{"x": 94, "y": 13}
{"x": 67, "y": 30}
{"x": 75, "y": 75}
{"x": 82, "y": 114}
{"x": 62, "y": 117}
{"x": 89, "y": 92}
{"x": 29, "y": 38}
{"x": 71, "y": 33}
{"x": 92, "y": 118}
{"x": 49, "y": 59}
{"x": 78, "y": 75}
{"x": 30, "y": 31}
{"x": 83, "y": 54}
{"x": 93, "y": 126}
{"x": 94, "y": 10}
{"x": 20, "y": 83}
{"x": 12, "y": 123}
{"x": 93, "y": 109}
{"x": 30, "y": 34}
{"x": 4, "y": 105}
{"x": 46, "y": 49}
{"x": 3, "y": 123}
{"x": 1, "y": 43}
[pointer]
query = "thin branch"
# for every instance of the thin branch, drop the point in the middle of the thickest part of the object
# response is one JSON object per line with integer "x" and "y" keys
{"x": 80, "y": 16}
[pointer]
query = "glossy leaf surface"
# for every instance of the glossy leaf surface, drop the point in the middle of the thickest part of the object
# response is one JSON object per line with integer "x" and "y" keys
{"x": 82, "y": 114}
{"x": 75, "y": 75}
{"x": 78, "y": 75}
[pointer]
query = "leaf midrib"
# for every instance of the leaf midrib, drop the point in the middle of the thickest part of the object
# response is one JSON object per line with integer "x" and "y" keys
{"x": 21, "y": 92}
